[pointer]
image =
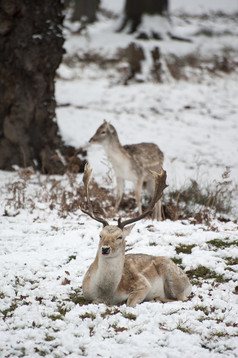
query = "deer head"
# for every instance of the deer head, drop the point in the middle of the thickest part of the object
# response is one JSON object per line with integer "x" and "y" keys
{"x": 112, "y": 241}
{"x": 104, "y": 134}
{"x": 119, "y": 232}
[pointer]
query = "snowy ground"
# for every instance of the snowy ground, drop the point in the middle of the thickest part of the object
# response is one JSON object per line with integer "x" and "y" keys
{"x": 45, "y": 252}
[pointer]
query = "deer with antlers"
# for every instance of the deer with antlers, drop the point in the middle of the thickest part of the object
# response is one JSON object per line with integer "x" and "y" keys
{"x": 115, "y": 278}
{"x": 130, "y": 162}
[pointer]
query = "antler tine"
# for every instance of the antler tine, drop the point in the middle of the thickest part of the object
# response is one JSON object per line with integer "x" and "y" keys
{"x": 159, "y": 186}
{"x": 86, "y": 178}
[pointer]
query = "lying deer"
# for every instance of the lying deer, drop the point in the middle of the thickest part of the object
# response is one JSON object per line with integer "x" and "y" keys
{"x": 130, "y": 162}
{"x": 115, "y": 278}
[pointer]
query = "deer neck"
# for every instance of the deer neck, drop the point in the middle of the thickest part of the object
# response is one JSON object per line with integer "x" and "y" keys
{"x": 109, "y": 274}
{"x": 112, "y": 145}
{"x": 117, "y": 156}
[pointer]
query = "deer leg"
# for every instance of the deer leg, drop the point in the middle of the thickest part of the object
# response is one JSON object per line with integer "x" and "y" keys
{"x": 159, "y": 215}
{"x": 120, "y": 189}
{"x": 137, "y": 296}
{"x": 177, "y": 286}
{"x": 138, "y": 189}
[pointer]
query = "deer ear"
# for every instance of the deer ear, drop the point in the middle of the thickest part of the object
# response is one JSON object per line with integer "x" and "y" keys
{"x": 126, "y": 230}
{"x": 107, "y": 126}
{"x": 111, "y": 128}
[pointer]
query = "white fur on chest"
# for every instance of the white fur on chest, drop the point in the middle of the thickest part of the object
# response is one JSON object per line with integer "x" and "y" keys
{"x": 122, "y": 165}
{"x": 107, "y": 277}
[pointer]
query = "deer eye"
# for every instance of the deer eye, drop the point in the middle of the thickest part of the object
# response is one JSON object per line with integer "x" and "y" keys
{"x": 103, "y": 132}
{"x": 119, "y": 237}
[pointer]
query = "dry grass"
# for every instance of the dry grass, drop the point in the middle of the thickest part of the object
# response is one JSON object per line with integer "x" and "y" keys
{"x": 66, "y": 194}
{"x": 180, "y": 67}
{"x": 186, "y": 67}
{"x": 201, "y": 203}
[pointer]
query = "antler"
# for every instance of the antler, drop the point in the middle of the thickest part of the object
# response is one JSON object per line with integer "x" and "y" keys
{"x": 159, "y": 186}
{"x": 86, "y": 178}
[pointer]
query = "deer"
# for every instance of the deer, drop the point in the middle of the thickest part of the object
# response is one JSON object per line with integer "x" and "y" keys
{"x": 115, "y": 277}
{"x": 130, "y": 162}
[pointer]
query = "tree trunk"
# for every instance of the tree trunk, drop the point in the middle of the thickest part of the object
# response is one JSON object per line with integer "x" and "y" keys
{"x": 85, "y": 9}
{"x": 31, "y": 47}
{"x": 134, "y": 9}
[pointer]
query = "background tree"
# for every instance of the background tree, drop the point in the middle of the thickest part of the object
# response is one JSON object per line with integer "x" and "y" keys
{"x": 31, "y": 47}
{"x": 134, "y": 9}
{"x": 85, "y": 9}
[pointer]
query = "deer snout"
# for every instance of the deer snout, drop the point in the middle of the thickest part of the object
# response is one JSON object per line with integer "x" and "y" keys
{"x": 105, "y": 250}
{"x": 92, "y": 140}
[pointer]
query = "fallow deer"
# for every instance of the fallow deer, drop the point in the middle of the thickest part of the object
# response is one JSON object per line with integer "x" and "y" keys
{"x": 130, "y": 162}
{"x": 115, "y": 278}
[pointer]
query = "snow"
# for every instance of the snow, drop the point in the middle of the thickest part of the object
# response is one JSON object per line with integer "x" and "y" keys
{"x": 35, "y": 252}
{"x": 44, "y": 252}
{"x": 203, "y": 6}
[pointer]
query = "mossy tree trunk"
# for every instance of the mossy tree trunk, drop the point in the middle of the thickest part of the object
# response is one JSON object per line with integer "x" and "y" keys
{"x": 31, "y": 48}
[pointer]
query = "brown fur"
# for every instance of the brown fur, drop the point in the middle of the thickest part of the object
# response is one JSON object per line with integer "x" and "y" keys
{"x": 130, "y": 162}
{"x": 116, "y": 278}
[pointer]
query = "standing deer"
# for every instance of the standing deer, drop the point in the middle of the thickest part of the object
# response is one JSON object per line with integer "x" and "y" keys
{"x": 130, "y": 162}
{"x": 114, "y": 277}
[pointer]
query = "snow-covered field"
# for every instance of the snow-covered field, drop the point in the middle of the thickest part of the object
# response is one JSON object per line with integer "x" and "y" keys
{"x": 44, "y": 252}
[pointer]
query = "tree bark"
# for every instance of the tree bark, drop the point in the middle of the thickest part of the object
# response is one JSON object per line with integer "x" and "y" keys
{"x": 134, "y": 9}
{"x": 31, "y": 47}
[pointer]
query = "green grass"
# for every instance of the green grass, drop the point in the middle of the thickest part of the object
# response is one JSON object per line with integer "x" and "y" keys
{"x": 56, "y": 316}
{"x": 114, "y": 311}
{"x": 177, "y": 261}
{"x": 231, "y": 261}
{"x": 41, "y": 352}
{"x": 72, "y": 257}
{"x": 129, "y": 316}
{"x": 78, "y": 299}
{"x": 90, "y": 315}
{"x": 185, "y": 249}
{"x": 184, "y": 329}
{"x": 8, "y": 312}
{"x": 203, "y": 309}
{"x": 49, "y": 338}
{"x": 222, "y": 243}
{"x": 110, "y": 312}
{"x": 202, "y": 272}
{"x": 62, "y": 310}
{"x": 2, "y": 295}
